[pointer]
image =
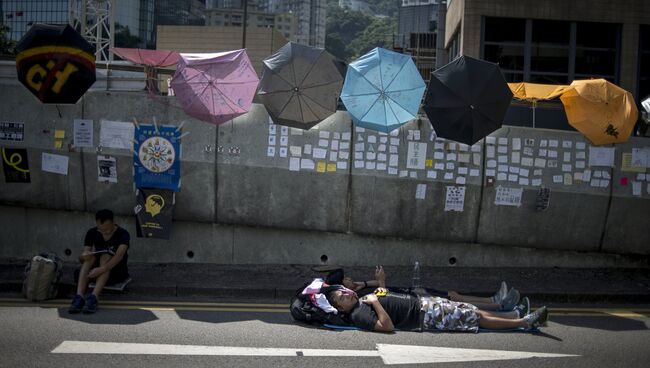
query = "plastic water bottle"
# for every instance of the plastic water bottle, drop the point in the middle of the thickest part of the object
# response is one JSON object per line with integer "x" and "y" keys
{"x": 416, "y": 275}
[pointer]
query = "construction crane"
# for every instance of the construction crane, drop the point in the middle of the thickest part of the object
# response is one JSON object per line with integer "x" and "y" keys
{"x": 95, "y": 20}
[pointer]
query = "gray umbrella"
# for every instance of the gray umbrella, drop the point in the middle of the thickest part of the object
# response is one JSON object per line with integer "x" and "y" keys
{"x": 300, "y": 86}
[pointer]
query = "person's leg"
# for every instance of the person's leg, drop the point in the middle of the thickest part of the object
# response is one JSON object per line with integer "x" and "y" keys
{"x": 489, "y": 321}
{"x": 101, "y": 280}
{"x": 87, "y": 263}
{"x": 484, "y": 303}
{"x": 506, "y": 315}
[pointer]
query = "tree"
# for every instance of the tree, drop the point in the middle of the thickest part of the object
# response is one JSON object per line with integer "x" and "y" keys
{"x": 378, "y": 34}
{"x": 124, "y": 38}
{"x": 7, "y": 47}
{"x": 342, "y": 27}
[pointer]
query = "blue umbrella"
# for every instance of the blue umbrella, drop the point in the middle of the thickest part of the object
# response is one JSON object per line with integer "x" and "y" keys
{"x": 382, "y": 90}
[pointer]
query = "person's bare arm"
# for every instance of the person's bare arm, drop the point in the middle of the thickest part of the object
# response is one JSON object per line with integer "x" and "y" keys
{"x": 121, "y": 250}
{"x": 384, "y": 323}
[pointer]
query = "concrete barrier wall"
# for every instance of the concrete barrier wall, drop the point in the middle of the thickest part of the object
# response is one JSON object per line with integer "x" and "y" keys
{"x": 351, "y": 185}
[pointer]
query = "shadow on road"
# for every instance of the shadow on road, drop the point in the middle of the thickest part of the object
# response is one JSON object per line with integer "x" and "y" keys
{"x": 607, "y": 323}
{"x": 220, "y": 317}
{"x": 111, "y": 316}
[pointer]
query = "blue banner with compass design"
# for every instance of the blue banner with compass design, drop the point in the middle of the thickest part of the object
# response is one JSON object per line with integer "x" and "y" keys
{"x": 156, "y": 157}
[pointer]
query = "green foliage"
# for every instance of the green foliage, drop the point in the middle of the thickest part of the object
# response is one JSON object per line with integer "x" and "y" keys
{"x": 350, "y": 34}
{"x": 7, "y": 47}
{"x": 378, "y": 34}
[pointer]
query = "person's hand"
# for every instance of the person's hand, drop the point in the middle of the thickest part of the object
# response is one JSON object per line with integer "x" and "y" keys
{"x": 96, "y": 272}
{"x": 369, "y": 299}
{"x": 349, "y": 283}
{"x": 86, "y": 253}
{"x": 380, "y": 276}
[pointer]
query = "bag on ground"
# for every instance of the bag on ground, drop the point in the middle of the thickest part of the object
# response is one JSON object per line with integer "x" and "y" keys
{"x": 42, "y": 276}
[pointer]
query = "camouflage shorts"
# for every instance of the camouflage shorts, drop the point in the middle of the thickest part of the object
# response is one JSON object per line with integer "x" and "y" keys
{"x": 443, "y": 314}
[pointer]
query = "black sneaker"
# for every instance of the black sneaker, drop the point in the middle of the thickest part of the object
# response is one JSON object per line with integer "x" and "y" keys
{"x": 523, "y": 308}
{"x": 537, "y": 318}
{"x": 77, "y": 304}
{"x": 511, "y": 300}
{"x": 91, "y": 304}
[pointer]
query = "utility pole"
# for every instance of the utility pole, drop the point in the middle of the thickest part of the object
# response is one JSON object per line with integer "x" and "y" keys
{"x": 243, "y": 41}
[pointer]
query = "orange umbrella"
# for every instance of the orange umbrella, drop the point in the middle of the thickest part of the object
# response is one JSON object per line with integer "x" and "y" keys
{"x": 602, "y": 111}
{"x": 534, "y": 92}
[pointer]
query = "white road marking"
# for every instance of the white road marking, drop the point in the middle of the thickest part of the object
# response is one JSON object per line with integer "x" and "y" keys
{"x": 390, "y": 354}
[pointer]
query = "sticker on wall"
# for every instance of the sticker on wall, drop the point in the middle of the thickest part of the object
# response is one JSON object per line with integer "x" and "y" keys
{"x": 506, "y": 196}
{"x": 15, "y": 165}
{"x": 10, "y": 131}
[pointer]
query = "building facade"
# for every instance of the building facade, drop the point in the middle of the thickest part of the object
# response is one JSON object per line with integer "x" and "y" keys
{"x": 310, "y": 18}
{"x": 233, "y": 15}
{"x": 355, "y": 5}
{"x": 556, "y": 41}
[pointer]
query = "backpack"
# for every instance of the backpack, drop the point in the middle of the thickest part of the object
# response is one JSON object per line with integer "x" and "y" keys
{"x": 42, "y": 275}
{"x": 302, "y": 310}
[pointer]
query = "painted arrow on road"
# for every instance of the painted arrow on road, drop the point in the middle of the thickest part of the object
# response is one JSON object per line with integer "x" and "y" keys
{"x": 390, "y": 354}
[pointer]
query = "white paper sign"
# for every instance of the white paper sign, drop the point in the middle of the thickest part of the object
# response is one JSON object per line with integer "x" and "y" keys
{"x": 420, "y": 191}
{"x": 455, "y": 198}
{"x": 294, "y": 164}
{"x": 83, "y": 133}
{"x": 601, "y": 156}
{"x": 56, "y": 164}
{"x": 508, "y": 196}
{"x": 116, "y": 134}
{"x": 641, "y": 157}
{"x": 416, "y": 155}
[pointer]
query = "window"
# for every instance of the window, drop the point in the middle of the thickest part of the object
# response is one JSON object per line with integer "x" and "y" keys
{"x": 550, "y": 51}
{"x": 644, "y": 62}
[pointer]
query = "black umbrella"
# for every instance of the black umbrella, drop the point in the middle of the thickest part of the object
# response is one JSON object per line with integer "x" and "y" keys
{"x": 300, "y": 86}
{"x": 467, "y": 99}
{"x": 55, "y": 63}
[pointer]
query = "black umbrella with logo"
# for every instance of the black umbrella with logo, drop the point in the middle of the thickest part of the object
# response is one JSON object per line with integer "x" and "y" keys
{"x": 55, "y": 63}
{"x": 467, "y": 99}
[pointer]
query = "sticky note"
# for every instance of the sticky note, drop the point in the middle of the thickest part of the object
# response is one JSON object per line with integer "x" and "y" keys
{"x": 331, "y": 167}
{"x": 321, "y": 166}
{"x": 58, "y": 144}
{"x": 59, "y": 133}
{"x": 428, "y": 163}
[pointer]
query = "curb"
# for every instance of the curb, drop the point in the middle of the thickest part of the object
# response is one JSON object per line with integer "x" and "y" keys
{"x": 285, "y": 294}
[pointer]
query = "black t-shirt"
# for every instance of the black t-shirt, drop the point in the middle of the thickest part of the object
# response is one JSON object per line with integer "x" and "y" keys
{"x": 96, "y": 240}
{"x": 403, "y": 310}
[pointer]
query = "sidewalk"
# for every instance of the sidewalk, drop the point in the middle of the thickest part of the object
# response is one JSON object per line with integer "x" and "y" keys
{"x": 279, "y": 282}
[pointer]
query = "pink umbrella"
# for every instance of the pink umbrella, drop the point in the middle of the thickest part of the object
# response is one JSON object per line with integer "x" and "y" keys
{"x": 215, "y": 87}
{"x": 155, "y": 58}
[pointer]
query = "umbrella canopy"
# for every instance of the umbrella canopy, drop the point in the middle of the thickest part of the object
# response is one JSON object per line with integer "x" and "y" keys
{"x": 155, "y": 58}
{"x": 467, "y": 99}
{"x": 602, "y": 111}
{"x": 300, "y": 85}
{"x": 534, "y": 92}
{"x": 382, "y": 90}
{"x": 215, "y": 87}
{"x": 55, "y": 63}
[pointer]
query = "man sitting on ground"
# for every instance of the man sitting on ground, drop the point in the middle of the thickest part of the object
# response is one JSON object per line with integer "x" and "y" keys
{"x": 104, "y": 258}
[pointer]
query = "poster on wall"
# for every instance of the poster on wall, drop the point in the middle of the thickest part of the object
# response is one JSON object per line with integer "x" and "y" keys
{"x": 15, "y": 165}
{"x": 508, "y": 196}
{"x": 156, "y": 158}
{"x": 153, "y": 213}
{"x": 106, "y": 169}
{"x": 455, "y": 199}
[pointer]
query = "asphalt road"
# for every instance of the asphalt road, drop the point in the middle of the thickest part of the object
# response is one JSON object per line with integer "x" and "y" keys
{"x": 600, "y": 336}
